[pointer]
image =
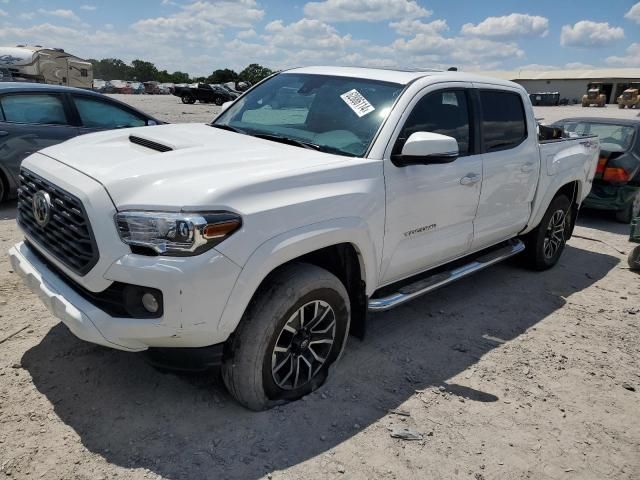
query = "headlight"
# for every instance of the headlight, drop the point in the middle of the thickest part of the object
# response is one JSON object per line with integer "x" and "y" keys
{"x": 176, "y": 234}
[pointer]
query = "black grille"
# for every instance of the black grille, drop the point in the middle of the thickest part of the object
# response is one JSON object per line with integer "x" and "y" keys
{"x": 149, "y": 144}
{"x": 68, "y": 236}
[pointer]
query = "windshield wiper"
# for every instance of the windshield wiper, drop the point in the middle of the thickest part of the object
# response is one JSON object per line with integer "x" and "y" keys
{"x": 222, "y": 126}
{"x": 287, "y": 140}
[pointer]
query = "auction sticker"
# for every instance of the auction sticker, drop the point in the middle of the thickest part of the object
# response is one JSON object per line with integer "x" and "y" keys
{"x": 357, "y": 102}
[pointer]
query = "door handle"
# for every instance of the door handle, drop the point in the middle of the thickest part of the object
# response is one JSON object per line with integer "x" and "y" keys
{"x": 3, "y": 133}
{"x": 527, "y": 167}
{"x": 470, "y": 179}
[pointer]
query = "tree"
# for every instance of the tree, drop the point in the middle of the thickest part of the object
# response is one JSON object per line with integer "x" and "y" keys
{"x": 111, "y": 69}
{"x": 179, "y": 77}
{"x": 222, "y": 76}
{"x": 254, "y": 73}
{"x": 143, "y": 71}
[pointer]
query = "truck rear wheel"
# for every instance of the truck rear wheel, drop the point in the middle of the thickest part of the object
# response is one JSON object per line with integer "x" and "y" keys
{"x": 292, "y": 332}
{"x": 545, "y": 243}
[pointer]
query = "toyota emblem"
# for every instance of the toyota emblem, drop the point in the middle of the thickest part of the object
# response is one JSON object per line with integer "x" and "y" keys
{"x": 42, "y": 208}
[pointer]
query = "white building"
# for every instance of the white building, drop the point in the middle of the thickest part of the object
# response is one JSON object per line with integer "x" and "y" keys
{"x": 572, "y": 84}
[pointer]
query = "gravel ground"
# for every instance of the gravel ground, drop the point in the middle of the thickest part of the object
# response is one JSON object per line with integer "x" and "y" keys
{"x": 508, "y": 374}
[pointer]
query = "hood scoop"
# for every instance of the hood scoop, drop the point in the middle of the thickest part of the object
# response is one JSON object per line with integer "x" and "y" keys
{"x": 145, "y": 142}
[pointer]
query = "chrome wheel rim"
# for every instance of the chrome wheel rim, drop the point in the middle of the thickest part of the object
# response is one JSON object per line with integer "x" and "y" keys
{"x": 554, "y": 236}
{"x": 304, "y": 345}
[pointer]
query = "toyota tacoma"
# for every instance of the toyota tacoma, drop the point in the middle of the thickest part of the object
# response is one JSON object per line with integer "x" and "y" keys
{"x": 265, "y": 237}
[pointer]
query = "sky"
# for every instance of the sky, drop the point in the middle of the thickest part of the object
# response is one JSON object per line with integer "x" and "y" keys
{"x": 199, "y": 36}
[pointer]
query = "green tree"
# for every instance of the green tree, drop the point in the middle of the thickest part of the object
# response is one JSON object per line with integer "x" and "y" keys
{"x": 143, "y": 71}
{"x": 254, "y": 73}
{"x": 111, "y": 69}
{"x": 179, "y": 77}
{"x": 222, "y": 76}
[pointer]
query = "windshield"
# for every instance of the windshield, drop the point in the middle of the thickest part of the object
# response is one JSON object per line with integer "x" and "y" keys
{"x": 612, "y": 137}
{"x": 334, "y": 114}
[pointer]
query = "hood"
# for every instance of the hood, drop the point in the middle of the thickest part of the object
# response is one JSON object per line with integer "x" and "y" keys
{"x": 200, "y": 167}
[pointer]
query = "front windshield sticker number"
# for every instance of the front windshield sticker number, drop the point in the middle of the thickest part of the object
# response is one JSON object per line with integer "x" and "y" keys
{"x": 357, "y": 102}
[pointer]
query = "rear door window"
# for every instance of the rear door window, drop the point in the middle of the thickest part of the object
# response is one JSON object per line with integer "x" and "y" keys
{"x": 504, "y": 123}
{"x": 103, "y": 115}
{"x": 38, "y": 109}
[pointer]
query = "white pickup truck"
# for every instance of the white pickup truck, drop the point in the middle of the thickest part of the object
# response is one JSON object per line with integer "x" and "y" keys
{"x": 262, "y": 239}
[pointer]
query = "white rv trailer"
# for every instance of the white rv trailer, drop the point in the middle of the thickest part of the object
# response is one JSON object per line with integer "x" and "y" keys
{"x": 45, "y": 65}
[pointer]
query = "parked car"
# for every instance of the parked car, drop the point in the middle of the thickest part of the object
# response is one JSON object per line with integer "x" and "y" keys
{"x": 36, "y": 115}
{"x": 204, "y": 93}
{"x": 616, "y": 186}
{"x": 118, "y": 86}
{"x": 260, "y": 241}
{"x": 152, "y": 88}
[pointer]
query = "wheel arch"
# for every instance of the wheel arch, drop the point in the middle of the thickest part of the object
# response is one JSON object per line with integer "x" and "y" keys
{"x": 573, "y": 189}
{"x": 344, "y": 248}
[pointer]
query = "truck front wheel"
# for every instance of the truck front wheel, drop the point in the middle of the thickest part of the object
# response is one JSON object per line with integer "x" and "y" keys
{"x": 294, "y": 329}
{"x": 545, "y": 243}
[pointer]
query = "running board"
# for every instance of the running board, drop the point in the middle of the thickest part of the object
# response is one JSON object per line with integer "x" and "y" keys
{"x": 426, "y": 285}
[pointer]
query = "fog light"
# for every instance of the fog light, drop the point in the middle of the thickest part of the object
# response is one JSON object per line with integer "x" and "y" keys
{"x": 150, "y": 302}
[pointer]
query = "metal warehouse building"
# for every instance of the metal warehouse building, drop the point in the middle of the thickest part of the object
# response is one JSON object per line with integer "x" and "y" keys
{"x": 572, "y": 84}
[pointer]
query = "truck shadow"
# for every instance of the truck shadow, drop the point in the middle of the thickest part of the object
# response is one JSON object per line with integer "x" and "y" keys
{"x": 187, "y": 427}
{"x": 8, "y": 210}
{"x": 602, "y": 220}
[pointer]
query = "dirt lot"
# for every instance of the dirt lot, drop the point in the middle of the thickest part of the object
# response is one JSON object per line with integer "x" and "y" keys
{"x": 506, "y": 375}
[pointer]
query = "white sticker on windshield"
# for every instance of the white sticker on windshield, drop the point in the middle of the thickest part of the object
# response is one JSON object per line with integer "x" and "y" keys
{"x": 357, "y": 102}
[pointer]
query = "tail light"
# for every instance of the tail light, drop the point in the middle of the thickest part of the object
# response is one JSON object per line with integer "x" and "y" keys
{"x": 615, "y": 174}
{"x": 602, "y": 162}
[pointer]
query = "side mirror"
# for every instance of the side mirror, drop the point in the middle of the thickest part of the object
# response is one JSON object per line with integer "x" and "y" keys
{"x": 424, "y": 148}
{"x": 225, "y": 105}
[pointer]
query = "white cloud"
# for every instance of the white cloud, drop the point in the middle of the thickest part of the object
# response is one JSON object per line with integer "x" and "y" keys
{"x": 509, "y": 26}
{"x": 364, "y": 10}
{"x": 631, "y": 59}
{"x": 634, "y": 13}
{"x": 26, "y": 16}
{"x": 251, "y": 33}
{"x": 88, "y": 8}
{"x": 202, "y": 21}
{"x": 60, "y": 13}
{"x": 412, "y": 27}
{"x": 3, "y": 13}
{"x": 579, "y": 66}
{"x": 586, "y": 34}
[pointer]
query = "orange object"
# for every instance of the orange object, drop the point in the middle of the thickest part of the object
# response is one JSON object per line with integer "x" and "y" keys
{"x": 615, "y": 174}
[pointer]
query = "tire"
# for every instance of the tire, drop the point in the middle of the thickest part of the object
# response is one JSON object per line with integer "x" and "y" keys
{"x": 634, "y": 259}
{"x": 620, "y": 106}
{"x": 631, "y": 211}
{"x": 269, "y": 345}
{"x": 545, "y": 243}
{"x": 188, "y": 99}
{"x": 218, "y": 101}
{"x": 4, "y": 188}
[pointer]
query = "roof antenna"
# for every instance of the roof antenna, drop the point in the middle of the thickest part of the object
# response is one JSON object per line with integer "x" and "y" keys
{"x": 452, "y": 69}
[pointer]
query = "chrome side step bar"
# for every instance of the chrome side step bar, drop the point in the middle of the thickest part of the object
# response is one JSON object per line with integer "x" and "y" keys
{"x": 426, "y": 285}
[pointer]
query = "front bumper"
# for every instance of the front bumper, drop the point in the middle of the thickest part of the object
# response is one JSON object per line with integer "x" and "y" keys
{"x": 610, "y": 197}
{"x": 195, "y": 292}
